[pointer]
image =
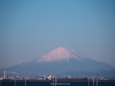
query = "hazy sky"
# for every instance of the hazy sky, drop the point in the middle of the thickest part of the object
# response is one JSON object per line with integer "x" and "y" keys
{"x": 31, "y": 28}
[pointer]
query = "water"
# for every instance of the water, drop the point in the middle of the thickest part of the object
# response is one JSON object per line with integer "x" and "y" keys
{"x": 49, "y": 83}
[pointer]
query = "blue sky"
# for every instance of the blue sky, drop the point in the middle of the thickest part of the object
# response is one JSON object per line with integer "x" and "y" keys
{"x": 31, "y": 28}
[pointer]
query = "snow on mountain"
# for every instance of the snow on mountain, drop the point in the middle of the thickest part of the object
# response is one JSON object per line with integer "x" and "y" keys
{"x": 61, "y": 54}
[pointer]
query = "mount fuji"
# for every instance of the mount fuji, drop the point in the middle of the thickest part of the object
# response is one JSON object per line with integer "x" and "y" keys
{"x": 64, "y": 61}
{"x": 61, "y": 54}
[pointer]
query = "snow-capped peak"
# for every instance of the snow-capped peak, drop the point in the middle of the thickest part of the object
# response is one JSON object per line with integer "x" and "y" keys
{"x": 60, "y": 54}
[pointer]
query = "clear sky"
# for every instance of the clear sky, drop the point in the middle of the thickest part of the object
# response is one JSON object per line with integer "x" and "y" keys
{"x": 31, "y": 28}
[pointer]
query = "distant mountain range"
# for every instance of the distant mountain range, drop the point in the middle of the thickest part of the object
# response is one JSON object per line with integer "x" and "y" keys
{"x": 64, "y": 61}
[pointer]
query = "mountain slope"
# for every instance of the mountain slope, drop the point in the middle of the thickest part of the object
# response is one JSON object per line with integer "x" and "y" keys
{"x": 61, "y": 61}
